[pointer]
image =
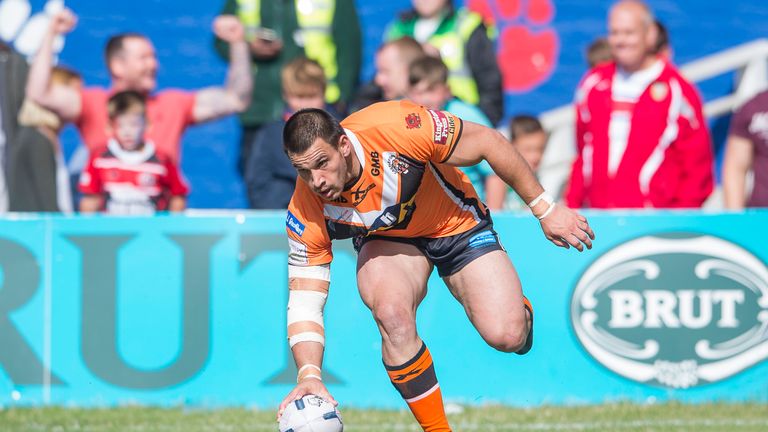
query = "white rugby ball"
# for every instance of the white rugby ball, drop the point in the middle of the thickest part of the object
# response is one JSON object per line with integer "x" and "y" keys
{"x": 311, "y": 414}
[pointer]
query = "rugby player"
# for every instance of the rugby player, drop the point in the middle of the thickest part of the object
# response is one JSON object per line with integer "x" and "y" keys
{"x": 387, "y": 177}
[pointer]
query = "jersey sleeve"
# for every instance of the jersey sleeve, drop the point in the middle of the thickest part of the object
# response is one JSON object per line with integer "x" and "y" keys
{"x": 90, "y": 181}
{"x": 308, "y": 239}
{"x": 740, "y": 122}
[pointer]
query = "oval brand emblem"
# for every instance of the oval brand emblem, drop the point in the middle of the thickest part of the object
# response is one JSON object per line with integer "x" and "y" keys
{"x": 678, "y": 310}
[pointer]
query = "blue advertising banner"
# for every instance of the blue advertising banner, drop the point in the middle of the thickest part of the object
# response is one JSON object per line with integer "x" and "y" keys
{"x": 191, "y": 310}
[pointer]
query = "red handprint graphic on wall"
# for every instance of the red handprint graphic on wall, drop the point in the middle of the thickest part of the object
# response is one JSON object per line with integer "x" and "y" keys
{"x": 528, "y": 44}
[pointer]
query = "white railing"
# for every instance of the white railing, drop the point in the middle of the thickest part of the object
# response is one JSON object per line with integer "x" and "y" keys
{"x": 749, "y": 61}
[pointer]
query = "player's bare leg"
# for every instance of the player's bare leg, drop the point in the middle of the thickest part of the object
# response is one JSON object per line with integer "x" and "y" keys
{"x": 490, "y": 291}
{"x": 392, "y": 279}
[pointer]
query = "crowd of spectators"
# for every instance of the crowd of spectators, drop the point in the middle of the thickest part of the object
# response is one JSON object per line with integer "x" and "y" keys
{"x": 641, "y": 137}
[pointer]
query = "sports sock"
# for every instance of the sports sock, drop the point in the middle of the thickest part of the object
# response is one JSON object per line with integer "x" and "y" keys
{"x": 417, "y": 383}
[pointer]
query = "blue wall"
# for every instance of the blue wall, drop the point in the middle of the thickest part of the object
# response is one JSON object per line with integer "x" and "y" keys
{"x": 172, "y": 309}
{"x": 181, "y": 33}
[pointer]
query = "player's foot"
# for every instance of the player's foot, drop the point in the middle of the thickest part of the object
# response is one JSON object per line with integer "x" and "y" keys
{"x": 528, "y": 341}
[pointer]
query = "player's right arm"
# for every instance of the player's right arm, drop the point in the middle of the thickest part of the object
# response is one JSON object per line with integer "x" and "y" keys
{"x": 62, "y": 100}
{"x": 308, "y": 282}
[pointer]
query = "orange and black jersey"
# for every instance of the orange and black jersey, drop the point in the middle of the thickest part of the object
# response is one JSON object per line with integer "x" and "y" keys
{"x": 404, "y": 189}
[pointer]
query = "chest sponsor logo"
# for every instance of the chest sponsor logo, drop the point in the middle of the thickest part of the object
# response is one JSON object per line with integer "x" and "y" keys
{"x": 375, "y": 164}
{"x": 147, "y": 179}
{"x": 396, "y": 164}
{"x": 678, "y": 311}
{"x": 413, "y": 121}
{"x": 359, "y": 195}
{"x": 443, "y": 125}
{"x": 294, "y": 224}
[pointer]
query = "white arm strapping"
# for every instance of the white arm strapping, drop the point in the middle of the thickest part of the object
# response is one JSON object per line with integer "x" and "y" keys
{"x": 322, "y": 272}
{"x": 304, "y": 305}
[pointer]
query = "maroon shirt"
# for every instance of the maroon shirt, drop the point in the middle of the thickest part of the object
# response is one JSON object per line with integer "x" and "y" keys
{"x": 751, "y": 122}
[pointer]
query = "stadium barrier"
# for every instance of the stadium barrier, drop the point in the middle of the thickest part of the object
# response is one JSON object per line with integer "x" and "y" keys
{"x": 168, "y": 310}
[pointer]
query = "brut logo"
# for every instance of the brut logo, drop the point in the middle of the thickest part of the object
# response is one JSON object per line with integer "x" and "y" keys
{"x": 678, "y": 310}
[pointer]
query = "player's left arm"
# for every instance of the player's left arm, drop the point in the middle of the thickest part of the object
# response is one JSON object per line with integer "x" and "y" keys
{"x": 561, "y": 225}
{"x": 214, "y": 102}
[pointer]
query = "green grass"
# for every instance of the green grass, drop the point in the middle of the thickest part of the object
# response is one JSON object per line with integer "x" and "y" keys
{"x": 612, "y": 417}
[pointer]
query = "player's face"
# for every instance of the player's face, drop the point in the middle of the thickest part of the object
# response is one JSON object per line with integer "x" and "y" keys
{"x": 531, "y": 147}
{"x": 323, "y": 167}
{"x": 128, "y": 129}
{"x": 429, "y": 8}
{"x": 136, "y": 65}
{"x": 630, "y": 37}
{"x": 433, "y": 97}
{"x": 391, "y": 73}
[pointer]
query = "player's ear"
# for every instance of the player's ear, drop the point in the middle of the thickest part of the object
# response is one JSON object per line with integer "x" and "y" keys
{"x": 345, "y": 146}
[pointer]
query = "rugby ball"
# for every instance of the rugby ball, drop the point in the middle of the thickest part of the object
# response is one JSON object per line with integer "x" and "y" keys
{"x": 311, "y": 413}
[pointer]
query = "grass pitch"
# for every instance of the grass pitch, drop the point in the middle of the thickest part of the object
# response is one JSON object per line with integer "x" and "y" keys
{"x": 612, "y": 417}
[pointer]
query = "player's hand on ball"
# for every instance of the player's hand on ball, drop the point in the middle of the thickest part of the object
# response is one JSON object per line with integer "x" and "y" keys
{"x": 229, "y": 28}
{"x": 63, "y": 22}
{"x": 565, "y": 228}
{"x": 305, "y": 387}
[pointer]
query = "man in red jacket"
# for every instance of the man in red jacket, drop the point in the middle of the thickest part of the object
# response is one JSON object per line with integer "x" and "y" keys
{"x": 641, "y": 135}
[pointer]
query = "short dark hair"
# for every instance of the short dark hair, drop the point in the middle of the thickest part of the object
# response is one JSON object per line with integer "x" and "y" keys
{"x": 306, "y": 126}
{"x": 662, "y": 39}
{"x": 523, "y": 124}
{"x": 126, "y": 101}
{"x": 428, "y": 69}
{"x": 115, "y": 44}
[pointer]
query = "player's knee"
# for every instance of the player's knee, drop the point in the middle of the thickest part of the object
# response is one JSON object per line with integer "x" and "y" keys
{"x": 396, "y": 322}
{"x": 509, "y": 338}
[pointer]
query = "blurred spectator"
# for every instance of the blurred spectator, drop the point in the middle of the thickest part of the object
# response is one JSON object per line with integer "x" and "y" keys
{"x": 598, "y": 52}
{"x": 132, "y": 65}
{"x": 641, "y": 136}
{"x": 130, "y": 176}
{"x": 327, "y": 31}
{"x": 13, "y": 76}
{"x": 662, "y": 47}
{"x": 391, "y": 80}
{"x": 529, "y": 138}
{"x": 38, "y": 177}
{"x": 460, "y": 39}
{"x": 747, "y": 149}
{"x": 269, "y": 175}
{"x": 428, "y": 77}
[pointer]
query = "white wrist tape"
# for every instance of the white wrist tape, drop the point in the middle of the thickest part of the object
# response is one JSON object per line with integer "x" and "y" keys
{"x": 300, "y": 378}
{"x": 544, "y": 196}
{"x": 546, "y": 213}
{"x": 306, "y": 306}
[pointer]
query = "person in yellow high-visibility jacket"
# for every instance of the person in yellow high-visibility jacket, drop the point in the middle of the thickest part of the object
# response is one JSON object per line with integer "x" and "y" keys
{"x": 327, "y": 31}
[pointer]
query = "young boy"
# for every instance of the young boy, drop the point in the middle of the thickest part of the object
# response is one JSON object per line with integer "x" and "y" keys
{"x": 269, "y": 175}
{"x": 529, "y": 137}
{"x": 428, "y": 77}
{"x": 129, "y": 176}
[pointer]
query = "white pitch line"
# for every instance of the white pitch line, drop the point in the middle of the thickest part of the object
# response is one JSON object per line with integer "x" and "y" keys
{"x": 353, "y": 427}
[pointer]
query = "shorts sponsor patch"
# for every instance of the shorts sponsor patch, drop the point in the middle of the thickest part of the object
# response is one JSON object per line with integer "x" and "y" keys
{"x": 444, "y": 126}
{"x": 297, "y": 253}
{"x": 293, "y": 224}
{"x": 482, "y": 239}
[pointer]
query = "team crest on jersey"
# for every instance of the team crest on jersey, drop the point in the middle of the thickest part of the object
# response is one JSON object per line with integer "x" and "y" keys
{"x": 397, "y": 164}
{"x": 659, "y": 91}
{"x": 444, "y": 126}
{"x": 413, "y": 121}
